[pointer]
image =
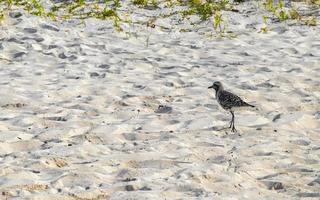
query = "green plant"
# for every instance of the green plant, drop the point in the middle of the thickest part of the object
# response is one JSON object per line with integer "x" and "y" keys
{"x": 1, "y": 16}
{"x": 315, "y": 2}
{"x": 277, "y": 10}
{"x": 217, "y": 21}
{"x": 264, "y": 28}
{"x": 143, "y": 3}
{"x": 293, "y": 13}
{"x": 205, "y": 10}
{"x": 37, "y": 8}
{"x": 146, "y": 3}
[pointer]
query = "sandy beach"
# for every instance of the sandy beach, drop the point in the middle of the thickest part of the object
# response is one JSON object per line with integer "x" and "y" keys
{"x": 91, "y": 113}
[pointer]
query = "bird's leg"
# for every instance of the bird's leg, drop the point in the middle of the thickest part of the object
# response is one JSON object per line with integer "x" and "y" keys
{"x": 231, "y": 122}
{"x": 233, "y": 128}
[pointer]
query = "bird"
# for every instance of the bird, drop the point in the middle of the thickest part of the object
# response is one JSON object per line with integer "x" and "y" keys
{"x": 228, "y": 101}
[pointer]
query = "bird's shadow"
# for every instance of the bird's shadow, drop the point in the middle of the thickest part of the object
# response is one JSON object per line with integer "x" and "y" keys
{"x": 223, "y": 128}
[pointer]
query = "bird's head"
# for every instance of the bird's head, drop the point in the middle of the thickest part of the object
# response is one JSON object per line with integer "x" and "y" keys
{"x": 217, "y": 85}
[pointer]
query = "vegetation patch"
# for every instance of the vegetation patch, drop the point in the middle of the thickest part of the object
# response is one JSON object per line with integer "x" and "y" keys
{"x": 111, "y": 10}
{"x": 279, "y": 11}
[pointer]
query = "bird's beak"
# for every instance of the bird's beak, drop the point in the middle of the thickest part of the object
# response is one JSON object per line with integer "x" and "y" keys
{"x": 210, "y": 87}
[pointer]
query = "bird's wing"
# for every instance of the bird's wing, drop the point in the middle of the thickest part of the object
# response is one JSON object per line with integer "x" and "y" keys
{"x": 229, "y": 100}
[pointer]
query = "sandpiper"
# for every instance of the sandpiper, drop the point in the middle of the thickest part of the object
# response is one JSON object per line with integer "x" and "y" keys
{"x": 228, "y": 101}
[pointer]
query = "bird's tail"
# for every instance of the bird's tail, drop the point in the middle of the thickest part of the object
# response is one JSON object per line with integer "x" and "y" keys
{"x": 249, "y": 105}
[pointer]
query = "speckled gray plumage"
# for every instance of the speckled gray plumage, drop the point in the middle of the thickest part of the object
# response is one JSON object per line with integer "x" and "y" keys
{"x": 227, "y": 100}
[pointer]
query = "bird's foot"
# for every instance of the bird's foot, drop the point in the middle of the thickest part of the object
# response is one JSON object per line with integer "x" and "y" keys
{"x": 233, "y": 129}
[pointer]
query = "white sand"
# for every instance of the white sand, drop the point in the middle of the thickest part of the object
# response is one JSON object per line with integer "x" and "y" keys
{"x": 78, "y": 109}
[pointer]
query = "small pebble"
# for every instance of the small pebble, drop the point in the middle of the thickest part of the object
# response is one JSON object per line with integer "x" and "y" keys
{"x": 15, "y": 14}
{"x": 129, "y": 188}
